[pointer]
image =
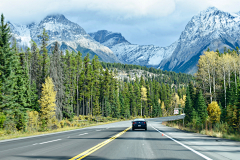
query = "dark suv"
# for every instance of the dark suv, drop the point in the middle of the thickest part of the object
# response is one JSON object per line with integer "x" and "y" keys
{"x": 139, "y": 124}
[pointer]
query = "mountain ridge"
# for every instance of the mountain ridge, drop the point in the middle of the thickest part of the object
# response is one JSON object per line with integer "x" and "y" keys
{"x": 69, "y": 35}
{"x": 211, "y": 28}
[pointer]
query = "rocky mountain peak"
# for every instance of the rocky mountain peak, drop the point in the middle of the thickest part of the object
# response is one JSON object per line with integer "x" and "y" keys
{"x": 211, "y": 9}
{"x": 108, "y": 38}
{"x": 55, "y": 18}
{"x": 211, "y": 28}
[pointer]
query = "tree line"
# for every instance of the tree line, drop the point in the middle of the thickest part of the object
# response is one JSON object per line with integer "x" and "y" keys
{"x": 42, "y": 87}
{"x": 217, "y": 84}
{"x": 168, "y": 77}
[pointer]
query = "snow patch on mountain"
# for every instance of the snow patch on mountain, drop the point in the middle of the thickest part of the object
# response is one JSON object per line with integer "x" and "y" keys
{"x": 21, "y": 33}
{"x": 211, "y": 28}
{"x": 149, "y": 55}
{"x": 69, "y": 34}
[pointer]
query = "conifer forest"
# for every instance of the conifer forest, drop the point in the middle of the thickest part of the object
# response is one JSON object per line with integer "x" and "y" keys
{"x": 214, "y": 98}
{"x": 41, "y": 88}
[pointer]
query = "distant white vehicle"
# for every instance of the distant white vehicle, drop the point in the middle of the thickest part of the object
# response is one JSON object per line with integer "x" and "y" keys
{"x": 183, "y": 114}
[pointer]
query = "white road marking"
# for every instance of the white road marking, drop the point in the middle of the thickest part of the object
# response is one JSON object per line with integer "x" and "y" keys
{"x": 82, "y": 134}
{"x": 50, "y": 141}
{"x": 14, "y": 139}
{"x": 98, "y": 130}
{"x": 198, "y": 153}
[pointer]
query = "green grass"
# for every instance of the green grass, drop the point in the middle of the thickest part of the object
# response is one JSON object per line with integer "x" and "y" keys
{"x": 18, "y": 134}
{"x": 235, "y": 137}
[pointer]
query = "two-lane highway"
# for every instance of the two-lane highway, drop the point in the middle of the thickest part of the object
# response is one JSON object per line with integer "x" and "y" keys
{"x": 118, "y": 141}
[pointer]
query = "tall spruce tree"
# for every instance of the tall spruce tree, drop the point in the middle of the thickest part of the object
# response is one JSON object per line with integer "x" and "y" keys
{"x": 188, "y": 107}
{"x": 35, "y": 69}
{"x": 201, "y": 107}
{"x": 44, "y": 55}
{"x": 56, "y": 73}
{"x": 10, "y": 69}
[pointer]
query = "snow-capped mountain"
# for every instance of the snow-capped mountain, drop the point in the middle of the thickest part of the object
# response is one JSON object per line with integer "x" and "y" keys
{"x": 108, "y": 39}
{"x": 148, "y": 55}
{"x": 69, "y": 35}
{"x": 211, "y": 28}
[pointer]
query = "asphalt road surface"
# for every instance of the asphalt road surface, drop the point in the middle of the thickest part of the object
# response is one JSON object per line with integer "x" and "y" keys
{"x": 118, "y": 141}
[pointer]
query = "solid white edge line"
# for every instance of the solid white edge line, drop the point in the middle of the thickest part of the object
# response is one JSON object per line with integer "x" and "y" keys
{"x": 198, "y": 153}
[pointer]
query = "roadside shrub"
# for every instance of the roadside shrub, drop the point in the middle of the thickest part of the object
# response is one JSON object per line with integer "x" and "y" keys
{"x": 68, "y": 123}
{"x": 33, "y": 121}
{"x": 221, "y": 127}
{"x": 9, "y": 125}
{"x": 2, "y": 119}
{"x": 2, "y": 132}
{"x": 62, "y": 123}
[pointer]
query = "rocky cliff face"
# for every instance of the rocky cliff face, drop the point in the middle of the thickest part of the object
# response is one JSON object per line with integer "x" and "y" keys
{"x": 213, "y": 29}
{"x": 148, "y": 55}
{"x": 69, "y": 35}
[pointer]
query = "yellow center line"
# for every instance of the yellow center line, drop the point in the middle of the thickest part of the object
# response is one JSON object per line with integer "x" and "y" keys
{"x": 100, "y": 145}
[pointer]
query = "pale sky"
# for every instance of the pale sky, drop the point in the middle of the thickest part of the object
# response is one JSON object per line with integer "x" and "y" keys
{"x": 158, "y": 22}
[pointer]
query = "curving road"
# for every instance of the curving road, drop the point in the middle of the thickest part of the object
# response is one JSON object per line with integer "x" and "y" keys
{"x": 118, "y": 141}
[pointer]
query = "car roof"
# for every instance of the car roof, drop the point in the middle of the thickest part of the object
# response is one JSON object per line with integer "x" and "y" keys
{"x": 140, "y": 119}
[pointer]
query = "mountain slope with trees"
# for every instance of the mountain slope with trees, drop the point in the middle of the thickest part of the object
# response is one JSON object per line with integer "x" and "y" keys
{"x": 39, "y": 89}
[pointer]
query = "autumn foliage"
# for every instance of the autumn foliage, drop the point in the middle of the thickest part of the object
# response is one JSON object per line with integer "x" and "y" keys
{"x": 47, "y": 102}
{"x": 214, "y": 112}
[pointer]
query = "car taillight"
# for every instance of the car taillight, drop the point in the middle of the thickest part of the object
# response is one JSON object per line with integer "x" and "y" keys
{"x": 144, "y": 122}
{"x": 134, "y": 122}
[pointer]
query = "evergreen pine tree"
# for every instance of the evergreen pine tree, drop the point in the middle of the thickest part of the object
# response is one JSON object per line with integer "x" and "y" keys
{"x": 56, "y": 73}
{"x": 44, "y": 58}
{"x": 201, "y": 107}
{"x": 11, "y": 102}
{"x": 188, "y": 107}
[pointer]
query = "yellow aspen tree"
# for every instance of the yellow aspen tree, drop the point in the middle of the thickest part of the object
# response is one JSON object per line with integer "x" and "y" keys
{"x": 47, "y": 102}
{"x": 207, "y": 66}
{"x": 163, "y": 109}
{"x": 235, "y": 67}
{"x": 229, "y": 66}
{"x": 143, "y": 96}
{"x": 222, "y": 65}
{"x": 214, "y": 112}
{"x": 176, "y": 100}
{"x": 182, "y": 101}
{"x": 238, "y": 65}
{"x": 33, "y": 121}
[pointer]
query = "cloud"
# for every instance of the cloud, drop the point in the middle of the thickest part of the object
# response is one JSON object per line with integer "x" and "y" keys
{"x": 30, "y": 10}
{"x": 158, "y": 22}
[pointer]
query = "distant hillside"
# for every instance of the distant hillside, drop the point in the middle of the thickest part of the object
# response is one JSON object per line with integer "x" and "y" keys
{"x": 130, "y": 72}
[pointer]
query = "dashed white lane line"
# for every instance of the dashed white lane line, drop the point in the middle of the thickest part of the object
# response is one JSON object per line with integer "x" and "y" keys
{"x": 82, "y": 134}
{"x": 98, "y": 130}
{"x": 198, "y": 153}
{"x": 48, "y": 142}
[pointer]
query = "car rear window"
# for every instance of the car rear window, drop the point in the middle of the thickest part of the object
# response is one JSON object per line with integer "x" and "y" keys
{"x": 139, "y": 119}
